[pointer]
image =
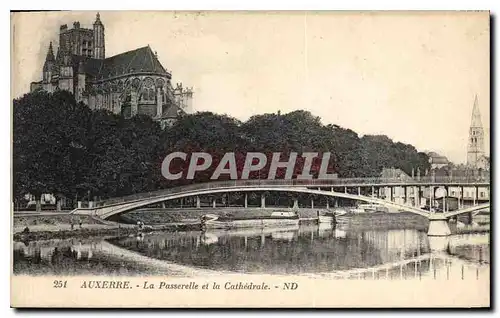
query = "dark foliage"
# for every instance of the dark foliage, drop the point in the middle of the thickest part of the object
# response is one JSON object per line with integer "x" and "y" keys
{"x": 63, "y": 147}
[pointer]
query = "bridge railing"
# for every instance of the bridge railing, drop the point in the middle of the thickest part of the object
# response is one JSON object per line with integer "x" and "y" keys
{"x": 337, "y": 182}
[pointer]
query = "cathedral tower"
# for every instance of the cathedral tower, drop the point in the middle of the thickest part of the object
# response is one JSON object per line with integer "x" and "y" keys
{"x": 475, "y": 148}
{"x": 99, "y": 47}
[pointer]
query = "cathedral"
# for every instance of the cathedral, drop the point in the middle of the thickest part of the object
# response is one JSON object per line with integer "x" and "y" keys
{"x": 129, "y": 83}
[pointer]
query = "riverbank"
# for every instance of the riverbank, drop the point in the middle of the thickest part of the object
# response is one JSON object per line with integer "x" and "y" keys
{"x": 42, "y": 227}
{"x": 161, "y": 216}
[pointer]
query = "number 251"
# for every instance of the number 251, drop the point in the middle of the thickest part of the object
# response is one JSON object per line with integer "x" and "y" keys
{"x": 60, "y": 284}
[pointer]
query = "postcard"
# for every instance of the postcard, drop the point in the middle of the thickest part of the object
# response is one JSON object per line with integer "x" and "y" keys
{"x": 312, "y": 159}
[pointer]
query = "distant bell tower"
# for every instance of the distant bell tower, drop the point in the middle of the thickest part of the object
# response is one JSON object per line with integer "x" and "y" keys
{"x": 475, "y": 148}
{"x": 99, "y": 47}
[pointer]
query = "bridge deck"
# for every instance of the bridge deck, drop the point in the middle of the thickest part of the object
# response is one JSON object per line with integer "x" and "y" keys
{"x": 339, "y": 182}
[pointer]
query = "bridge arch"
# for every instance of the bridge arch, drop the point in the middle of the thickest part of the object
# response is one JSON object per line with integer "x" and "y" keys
{"x": 475, "y": 208}
{"x": 106, "y": 212}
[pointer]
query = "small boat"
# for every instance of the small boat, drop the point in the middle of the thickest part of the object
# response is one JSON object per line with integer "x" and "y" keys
{"x": 373, "y": 207}
{"x": 357, "y": 210}
{"x": 213, "y": 221}
{"x": 340, "y": 211}
{"x": 331, "y": 216}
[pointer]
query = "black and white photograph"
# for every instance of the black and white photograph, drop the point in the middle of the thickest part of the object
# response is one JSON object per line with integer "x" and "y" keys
{"x": 250, "y": 159}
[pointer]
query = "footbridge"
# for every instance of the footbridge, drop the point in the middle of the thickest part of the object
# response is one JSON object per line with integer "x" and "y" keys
{"x": 352, "y": 188}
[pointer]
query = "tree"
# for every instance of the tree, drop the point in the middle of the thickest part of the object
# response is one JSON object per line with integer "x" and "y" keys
{"x": 47, "y": 130}
{"x": 64, "y": 148}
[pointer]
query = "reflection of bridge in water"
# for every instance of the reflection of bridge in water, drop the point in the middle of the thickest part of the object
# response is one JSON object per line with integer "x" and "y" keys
{"x": 308, "y": 250}
{"x": 359, "y": 189}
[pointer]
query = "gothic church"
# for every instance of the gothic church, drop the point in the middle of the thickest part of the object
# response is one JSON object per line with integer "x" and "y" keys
{"x": 129, "y": 83}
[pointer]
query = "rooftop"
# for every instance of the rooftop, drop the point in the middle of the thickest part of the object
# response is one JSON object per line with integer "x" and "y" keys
{"x": 136, "y": 61}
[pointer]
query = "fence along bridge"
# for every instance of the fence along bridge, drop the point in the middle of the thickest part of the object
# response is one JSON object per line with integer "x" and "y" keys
{"x": 330, "y": 188}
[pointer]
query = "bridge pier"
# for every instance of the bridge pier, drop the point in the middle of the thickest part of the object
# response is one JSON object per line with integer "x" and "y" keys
{"x": 439, "y": 243}
{"x": 198, "y": 203}
{"x": 213, "y": 203}
{"x": 460, "y": 201}
{"x": 469, "y": 218}
{"x": 312, "y": 203}
{"x": 438, "y": 226}
{"x": 327, "y": 203}
{"x": 246, "y": 200}
{"x": 295, "y": 203}
{"x": 262, "y": 200}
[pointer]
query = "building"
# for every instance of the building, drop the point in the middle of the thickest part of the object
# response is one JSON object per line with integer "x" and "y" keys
{"x": 396, "y": 194}
{"x": 437, "y": 161}
{"x": 129, "y": 83}
{"x": 476, "y": 158}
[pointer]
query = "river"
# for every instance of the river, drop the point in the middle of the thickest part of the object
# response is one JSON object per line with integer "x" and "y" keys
{"x": 318, "y": 250}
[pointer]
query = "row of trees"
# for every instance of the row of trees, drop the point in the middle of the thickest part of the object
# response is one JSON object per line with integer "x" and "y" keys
{"x": 63, "y": 147}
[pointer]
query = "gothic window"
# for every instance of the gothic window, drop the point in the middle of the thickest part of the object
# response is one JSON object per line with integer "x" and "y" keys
{"x": 160, "y": 83}
{"x": 148, "y": 90}
{"x": 136, "y": 83}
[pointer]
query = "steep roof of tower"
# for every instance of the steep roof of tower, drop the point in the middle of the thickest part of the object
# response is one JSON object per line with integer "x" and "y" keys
{"x": 49, "y": 59}
{"x": 50, "y": 53}
{"x": 476, "y": 115}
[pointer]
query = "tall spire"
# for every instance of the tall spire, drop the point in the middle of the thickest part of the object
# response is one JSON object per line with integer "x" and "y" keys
{"x": 49, "y": 59}
{"x": 476, "y": 116}
{"x": 50, "y": 53}
{"x": 475, "y": 147}
{"x": 99, "y": 46}
{"x": 97, "y": 19}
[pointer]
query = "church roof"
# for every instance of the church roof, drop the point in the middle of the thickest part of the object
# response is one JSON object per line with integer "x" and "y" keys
{"x": 476, "y": 115}
{"x": 439, "y": 160}
{"x": 435, "y": 158}
{"x": 136, "y": 61}
{"x": 171, "y": 112}
{"x": 395, "y": 173}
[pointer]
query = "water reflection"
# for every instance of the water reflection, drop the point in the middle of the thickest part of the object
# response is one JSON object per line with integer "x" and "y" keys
{"x": 320, "y": 250}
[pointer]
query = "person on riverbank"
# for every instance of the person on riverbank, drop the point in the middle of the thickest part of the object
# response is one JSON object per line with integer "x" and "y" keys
{"x": 80, "y": 222}
{"x": 71, "y": 224}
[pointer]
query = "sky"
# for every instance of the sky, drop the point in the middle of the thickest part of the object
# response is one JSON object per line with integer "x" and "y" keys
{"x": 410, "y": 76}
